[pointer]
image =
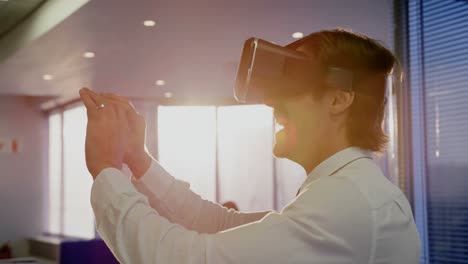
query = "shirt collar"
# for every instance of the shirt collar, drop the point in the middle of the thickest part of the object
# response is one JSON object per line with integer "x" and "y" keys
{"x": 335, "y": 163}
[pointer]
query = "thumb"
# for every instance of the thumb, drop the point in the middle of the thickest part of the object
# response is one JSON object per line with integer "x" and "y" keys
{"x": 90, "y": 104}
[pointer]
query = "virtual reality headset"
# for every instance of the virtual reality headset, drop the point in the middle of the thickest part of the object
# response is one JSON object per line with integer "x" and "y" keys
{"x": 267, "y": 70}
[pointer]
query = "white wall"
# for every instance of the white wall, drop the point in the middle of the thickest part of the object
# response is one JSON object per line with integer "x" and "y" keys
{"x": 23, "y": 179}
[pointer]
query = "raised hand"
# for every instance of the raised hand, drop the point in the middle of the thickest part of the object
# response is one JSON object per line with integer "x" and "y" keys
{"x": 136, "y": 155}
{"x": 106, "y": 132}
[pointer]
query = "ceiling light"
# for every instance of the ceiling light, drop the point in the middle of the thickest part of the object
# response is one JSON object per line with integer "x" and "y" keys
{"x": 89, "y": 55}
{"x": 47, "y": 77}
{"x": 160, "y": 82}
{"x": 149, "y": 23}
{"x": 168, "y": 95}
{"x": 298, "y": 35}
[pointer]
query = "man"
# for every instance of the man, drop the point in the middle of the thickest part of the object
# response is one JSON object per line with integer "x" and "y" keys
{"x": 346, "y": 211}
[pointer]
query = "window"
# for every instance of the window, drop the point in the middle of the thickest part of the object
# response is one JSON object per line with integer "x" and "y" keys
{"x": 187, "y": 142}
{"x": 55, "y": 172}
{"x": 70, "y": 212}
{"x": 438, "y": 55}
{"x": 220, "y": 151}
{"x": 245, "y": 161}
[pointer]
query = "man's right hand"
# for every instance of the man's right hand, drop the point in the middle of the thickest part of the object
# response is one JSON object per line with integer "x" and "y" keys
{"x": 136, "y": 155}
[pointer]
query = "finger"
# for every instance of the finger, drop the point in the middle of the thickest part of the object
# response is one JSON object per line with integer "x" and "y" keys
{"x": 114, "y": 97}
{"x": 88, "y": 100}
{"x": 132, "y": 114}
{"x": 122, "y": 118}
{"x": 120, "y": 106}
{"x": 98, "y": 99}
{"x": 122, "y": 100}
{"x": 117, "y": 100}
{"x": 101, "y": 103}
{"x": 121, "y": 115}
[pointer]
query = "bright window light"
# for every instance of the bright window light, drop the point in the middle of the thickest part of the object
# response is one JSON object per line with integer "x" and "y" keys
{"x": 78, "y": 215}
{"x": 187, "y": 141}
{"x": 245, "y": 142}
{"x": 55, "y": 173}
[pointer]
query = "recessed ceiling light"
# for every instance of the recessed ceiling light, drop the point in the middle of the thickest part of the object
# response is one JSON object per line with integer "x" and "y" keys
{"x": 149, "y": 23}
{"x": 160, "y": 82}
{"x": 298, "y": 35}
{"x": 168, "y": 95}
{"x": 47, "y": 77}
{"x": 89, "y": 54}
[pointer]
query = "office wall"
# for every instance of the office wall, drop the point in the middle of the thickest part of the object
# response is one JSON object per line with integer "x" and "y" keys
{"x": 23, "y": 181}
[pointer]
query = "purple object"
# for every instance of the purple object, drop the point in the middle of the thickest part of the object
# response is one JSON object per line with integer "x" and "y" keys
{"x": 86, "y": 251}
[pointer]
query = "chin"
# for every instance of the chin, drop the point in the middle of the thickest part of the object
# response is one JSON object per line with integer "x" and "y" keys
{"x": 280, "y": 151}
{"x": 284, "y": 143}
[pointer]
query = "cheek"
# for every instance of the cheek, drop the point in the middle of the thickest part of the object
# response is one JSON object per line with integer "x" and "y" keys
{"x": 307, "y": 129}
{"x": 292, "y": 135}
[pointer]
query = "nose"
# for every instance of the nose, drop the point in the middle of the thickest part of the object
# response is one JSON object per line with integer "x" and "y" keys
{"x": 279, "y": 112}
{"x": 271, "y": 102}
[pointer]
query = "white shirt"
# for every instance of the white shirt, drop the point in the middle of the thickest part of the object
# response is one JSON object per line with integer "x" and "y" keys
{"x": 346, "y": 212}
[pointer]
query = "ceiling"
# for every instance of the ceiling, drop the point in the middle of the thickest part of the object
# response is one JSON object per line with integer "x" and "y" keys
{"x": 194, "y": 46}
{"x": 13, "y": 12}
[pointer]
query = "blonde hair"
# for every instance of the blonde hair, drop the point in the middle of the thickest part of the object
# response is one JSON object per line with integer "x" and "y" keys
{"x": 371, "y": 63}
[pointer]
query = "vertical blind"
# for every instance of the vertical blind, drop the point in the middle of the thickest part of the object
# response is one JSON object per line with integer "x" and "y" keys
{"x": 438, "y": 48}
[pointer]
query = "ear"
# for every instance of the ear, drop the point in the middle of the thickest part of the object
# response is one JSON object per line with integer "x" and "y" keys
{"x": 341, "y": 101}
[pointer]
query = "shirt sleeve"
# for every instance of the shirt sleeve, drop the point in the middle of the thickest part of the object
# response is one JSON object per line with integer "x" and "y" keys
{"x": 136, "y": 233}
{"x": 174, "y": 200}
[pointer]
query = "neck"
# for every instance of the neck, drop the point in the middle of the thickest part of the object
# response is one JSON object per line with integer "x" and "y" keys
{"x": 323, "y": 151}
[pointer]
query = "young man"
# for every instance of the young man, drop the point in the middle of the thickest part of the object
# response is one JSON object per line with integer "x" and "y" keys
{"x": 346, "y": 211}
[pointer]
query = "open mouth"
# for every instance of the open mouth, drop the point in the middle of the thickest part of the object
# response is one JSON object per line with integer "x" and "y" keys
{"x": 285, "y": 132}
{"x": 282, "y": 119}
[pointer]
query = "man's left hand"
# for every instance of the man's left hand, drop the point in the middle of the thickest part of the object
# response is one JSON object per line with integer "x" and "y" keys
{"x": 106, "y": 133}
